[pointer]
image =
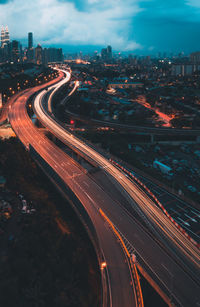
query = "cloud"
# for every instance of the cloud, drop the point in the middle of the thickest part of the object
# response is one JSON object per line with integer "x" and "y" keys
{"x": 168, "y": 25}
{"x": 194, "y": 3}
{"x": 4, "y": 1}
{"x": 97, "y": 22}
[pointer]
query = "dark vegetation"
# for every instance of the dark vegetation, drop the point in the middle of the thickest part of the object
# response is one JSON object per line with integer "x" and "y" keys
{"x": 50, "y": 260}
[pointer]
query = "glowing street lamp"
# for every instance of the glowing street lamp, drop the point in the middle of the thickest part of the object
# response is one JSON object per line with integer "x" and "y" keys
{"x": 103, "y": 265}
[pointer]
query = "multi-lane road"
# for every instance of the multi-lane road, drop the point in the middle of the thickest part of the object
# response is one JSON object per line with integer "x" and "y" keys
{"x": 168, "y": 257}
{"x": 145, "y": 203}
{"x": 120, "y": 286}
{"x": 183, "y": 213}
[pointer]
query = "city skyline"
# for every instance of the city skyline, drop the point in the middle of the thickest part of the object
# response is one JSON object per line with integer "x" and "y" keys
{"x": 135, "y": 26}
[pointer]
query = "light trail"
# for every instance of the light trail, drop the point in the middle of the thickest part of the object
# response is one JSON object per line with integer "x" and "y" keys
{"x": 142, "y": 200}
{"x": 120, "y": 292}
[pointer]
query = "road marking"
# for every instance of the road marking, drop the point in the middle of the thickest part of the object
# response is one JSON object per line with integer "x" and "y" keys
{"x": 175, "y": 212}
{"x": 184, "y": 222}
{"x": 92, "y": 200}
{"x": 181, "y": 208}
{"x": 156, "y": 192}
{"x": 161, "y": 195}
{"x": 195, "y": 213}
{"x": 167, "y": 269}
{"x": 86, "y": 183}
{"x": 191, "y": 218}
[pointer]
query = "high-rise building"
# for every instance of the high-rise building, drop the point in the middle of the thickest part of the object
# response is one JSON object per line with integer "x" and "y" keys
{"x": 2, "y": 36}
{"x": 109, "y": 52}
{"x": 184, "y": 69}
{"x": 30, "y": 50}
{"x": 15, "y": 51}
{"x": 38, "y": 54}
{"x": 30, "y": 55}
{"x": 30, "y": 40}
{"x": 7, "y": 36}
{"x": 195, "y": 57}
{"x": 106, "y": 53}
{"x": 52, "y": 55}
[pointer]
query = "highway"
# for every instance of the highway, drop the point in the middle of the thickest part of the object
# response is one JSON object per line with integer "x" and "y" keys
{"x": 133, "y": 128}
{"x": 163, "y": 265}
{"x": 121, "y": 293}
{"x": 184, "y": 213}
{"x": 139, "y": 196}
{"x": 59, "y": 84}
{"x": 144, "y": 202}
{"x": 10, "y": 102}
{"x": 7, "y": 106}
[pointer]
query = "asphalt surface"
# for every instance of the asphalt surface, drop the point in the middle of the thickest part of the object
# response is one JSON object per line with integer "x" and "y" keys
{"x": 121, "y": 291}
{"x": 175, "y": 272}
{"x": 183, "y": 213}
{"x": 172, "y": 276}
{"x": 144, "y": 202}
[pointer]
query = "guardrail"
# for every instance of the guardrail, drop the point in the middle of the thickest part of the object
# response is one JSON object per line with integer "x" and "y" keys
{"x": 157, "y": 202}
{"x": 135, "y": 275}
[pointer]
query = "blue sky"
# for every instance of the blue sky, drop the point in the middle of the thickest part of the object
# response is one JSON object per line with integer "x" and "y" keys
{"x": 140, "y": 26}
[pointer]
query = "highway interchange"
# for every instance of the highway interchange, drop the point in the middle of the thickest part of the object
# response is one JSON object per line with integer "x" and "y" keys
{"x": 165, "y": 253}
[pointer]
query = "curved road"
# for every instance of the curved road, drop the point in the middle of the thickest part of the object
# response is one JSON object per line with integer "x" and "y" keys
{"x": 187, "y": 252}
{"x": 144, "y": 202}
{"x": 172, "y": 276}
{"x": 121, "y": 291}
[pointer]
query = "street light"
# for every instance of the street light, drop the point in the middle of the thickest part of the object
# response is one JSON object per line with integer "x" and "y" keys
{"x": 103, "y": 265}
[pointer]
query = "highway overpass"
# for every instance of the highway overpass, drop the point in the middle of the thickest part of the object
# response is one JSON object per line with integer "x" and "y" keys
{"x": 161, "y": 250}
{"x": 120, "y": 287}
{"x": 176, "y": 246}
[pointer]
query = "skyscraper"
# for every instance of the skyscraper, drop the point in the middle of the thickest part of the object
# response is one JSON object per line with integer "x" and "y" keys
{"x": 109, "y": 52}
{"x": 30, "y": 40}
{"x": 30, "y": 50}
{"x": 106, "y": 53}
{"x": 5, "y": 36}
{"x": 38, "y": 54}
{"x": 2, "y": 36}
{"x": 15, "y": 51}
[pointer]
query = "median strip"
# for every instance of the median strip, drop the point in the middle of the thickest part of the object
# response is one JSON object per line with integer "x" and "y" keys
{"x": 132, "y": 264}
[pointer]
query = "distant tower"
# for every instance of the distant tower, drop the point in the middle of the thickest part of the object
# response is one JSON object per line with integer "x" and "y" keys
{"x": 2, "y": 36}
{"x": 15, "y": 51}
{"x": 109, "y": 52}
{"x": 7, "y": 36}
{"x": 30, "y": 40}
{"x": 104, "y": 53}
{"x": 38, "y": 54}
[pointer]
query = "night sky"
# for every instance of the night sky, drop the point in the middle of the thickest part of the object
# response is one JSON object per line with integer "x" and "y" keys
{"x": 141, "y": 26}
